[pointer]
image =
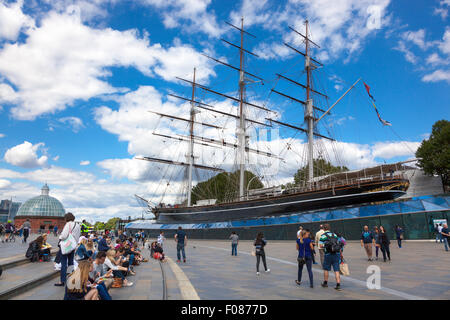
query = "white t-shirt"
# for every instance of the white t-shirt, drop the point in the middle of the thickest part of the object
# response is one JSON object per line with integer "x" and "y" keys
{"x": 161, "y": 239}
{"x": 110, "y": 265}
{"x": 440, "y": 229}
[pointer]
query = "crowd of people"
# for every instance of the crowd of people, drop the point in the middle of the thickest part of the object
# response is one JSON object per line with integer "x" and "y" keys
{"x": 330, "y": 246}
{"x": 98, "y": 263}
{"x": 102, "y": 261}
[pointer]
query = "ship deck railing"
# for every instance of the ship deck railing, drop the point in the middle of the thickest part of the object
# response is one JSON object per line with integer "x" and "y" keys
{"x": 326, "y": 185}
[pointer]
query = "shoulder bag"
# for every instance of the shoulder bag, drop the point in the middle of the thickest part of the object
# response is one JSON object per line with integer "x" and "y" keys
{"x": 69, "y": 244}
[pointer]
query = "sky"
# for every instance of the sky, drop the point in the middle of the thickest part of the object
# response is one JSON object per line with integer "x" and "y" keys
{"x": 78, "y": 79}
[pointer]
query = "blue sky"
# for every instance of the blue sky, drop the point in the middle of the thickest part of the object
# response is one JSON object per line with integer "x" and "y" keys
{"x": 78, "y": 77}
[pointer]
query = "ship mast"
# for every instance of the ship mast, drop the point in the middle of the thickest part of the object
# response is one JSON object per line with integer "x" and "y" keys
{"x": 191, "y": 144}
{"x": 242, "y": 131}
{"x": 309, "y": 118}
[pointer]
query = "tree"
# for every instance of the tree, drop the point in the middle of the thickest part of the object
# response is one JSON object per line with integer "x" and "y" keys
{"x": 99, "y": 226}
{"x": 224, "y": 186}
{"x": 320, "y": 168}
{"x": 111, "y": 223}
{"x": 434, "y": 153}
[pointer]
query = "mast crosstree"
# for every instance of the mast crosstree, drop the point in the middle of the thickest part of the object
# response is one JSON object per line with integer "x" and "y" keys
{"x": 242, "y": 147}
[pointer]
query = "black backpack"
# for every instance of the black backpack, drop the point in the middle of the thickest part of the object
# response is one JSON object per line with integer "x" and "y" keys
{"x": 332, "y": 244}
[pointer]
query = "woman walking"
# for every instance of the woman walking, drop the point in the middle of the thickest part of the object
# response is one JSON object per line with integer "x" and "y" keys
{"x": 384, "y": 243}
{"x": 70, "y": 228}
{"x": 305, "y": 248}
{"x": 259, "y": 244}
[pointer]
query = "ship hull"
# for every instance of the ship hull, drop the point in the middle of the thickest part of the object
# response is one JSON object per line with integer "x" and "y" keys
{"x": 328, "y": 198}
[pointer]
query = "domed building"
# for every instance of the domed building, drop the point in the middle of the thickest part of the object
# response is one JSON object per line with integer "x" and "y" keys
{"x": 44, "y": 212}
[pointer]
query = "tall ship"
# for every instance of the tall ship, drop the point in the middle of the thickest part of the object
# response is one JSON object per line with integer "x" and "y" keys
{"x": 245, "y": 198}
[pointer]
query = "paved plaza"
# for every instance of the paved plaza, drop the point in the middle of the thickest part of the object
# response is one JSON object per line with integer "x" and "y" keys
{"x": 419, "y": 270}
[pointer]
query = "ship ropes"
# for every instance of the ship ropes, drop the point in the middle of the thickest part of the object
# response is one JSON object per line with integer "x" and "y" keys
{"x": 244, "y": 134}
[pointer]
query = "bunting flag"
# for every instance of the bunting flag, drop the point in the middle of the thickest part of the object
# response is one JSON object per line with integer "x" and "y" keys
{"x": 368, "y": 90}
{"x": 384, "y": 122}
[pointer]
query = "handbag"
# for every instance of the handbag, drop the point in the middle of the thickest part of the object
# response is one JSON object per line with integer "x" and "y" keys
{"x": 69, "y": 244}
{"x": 343, "y": 268}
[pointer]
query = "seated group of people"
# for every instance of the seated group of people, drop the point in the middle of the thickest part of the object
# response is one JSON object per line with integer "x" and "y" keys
{"x": 39, "y": 249}
{"x": 98, "y": 270}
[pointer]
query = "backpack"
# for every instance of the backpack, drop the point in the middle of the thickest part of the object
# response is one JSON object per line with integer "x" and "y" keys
{"x": 332, "y": 244}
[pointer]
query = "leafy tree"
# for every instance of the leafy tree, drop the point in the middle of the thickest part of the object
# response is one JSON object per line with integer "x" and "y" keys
{"x": 99, "y": 226}
{"x": 321, "y": 167}
{"x": 111, "y": 223}
{"x": 434, "y": 153}
{"x": 224, "y": 186}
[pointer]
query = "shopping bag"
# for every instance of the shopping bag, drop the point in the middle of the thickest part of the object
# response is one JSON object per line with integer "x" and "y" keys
{"x": 343, "y": 268}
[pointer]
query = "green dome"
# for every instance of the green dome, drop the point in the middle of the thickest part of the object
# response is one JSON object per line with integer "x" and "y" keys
{"x": 43, "y": 206}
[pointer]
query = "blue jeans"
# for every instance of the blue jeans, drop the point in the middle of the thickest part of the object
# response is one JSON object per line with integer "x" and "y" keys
{"x": 446, "y": 243}
{"x": 399, "y": 242}
{"x": 234, "y": 249}
{"x": 103, "y": 292}
{"x": 66, "y": 259}
{"x": 118, "y": 274}
{"x": 309, "y": 267}
{"x": 439, "y": 237}
{"x": 131, "y": 260}
{"x": 180, "y": 247}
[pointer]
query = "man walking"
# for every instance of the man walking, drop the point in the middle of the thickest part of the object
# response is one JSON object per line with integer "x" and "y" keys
{"x": 300, "y": 229}
{"x": 181, "y": 240}
{"x": 161, "y": 239}
{"x": 399, "y": 233}
{"x": 439, "y": 235}
{"x": 318, "y": 245}
{"x": 367, "y": 241}
{"x": 234, "y": 243}
{"x": 26, "y": 227}
{"x": 445, "y": 234}
{"x": 332, "y": 257}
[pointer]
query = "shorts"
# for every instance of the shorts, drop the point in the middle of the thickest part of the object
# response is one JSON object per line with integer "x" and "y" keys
{"x": 7, "y": 231}
{"x": 331, "y": 260}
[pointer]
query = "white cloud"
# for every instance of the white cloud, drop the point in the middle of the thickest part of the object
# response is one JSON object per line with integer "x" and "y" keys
{"x": 388, "y": 150}
{"x": 192, "y": 15}
{"x": 2, "y": 135}
{"x": 25, "y": 155}
{"x": 132, "y": 169}
{"x": 442, "y": 10}
{"x": 64, "y": 60}
{"x": 409, "y": 55}
{"x": 12, "y": 20}
{"x": 340, "y": 27}
{"x": 74, "y": 122}
{"x": 85, "y": 163}
{"x": 435, "y": 60}
{"x": 4, "y": 183}
{"x": 416, "y": 37}
{"x": 438, "y": 75}
{"x": 56, "y": 158}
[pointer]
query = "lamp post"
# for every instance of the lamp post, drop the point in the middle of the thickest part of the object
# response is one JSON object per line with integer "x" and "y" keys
{"x": 248, "y": 184}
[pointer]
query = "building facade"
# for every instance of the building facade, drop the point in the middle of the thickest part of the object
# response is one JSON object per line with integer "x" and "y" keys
{"x": 43, "y": 212}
